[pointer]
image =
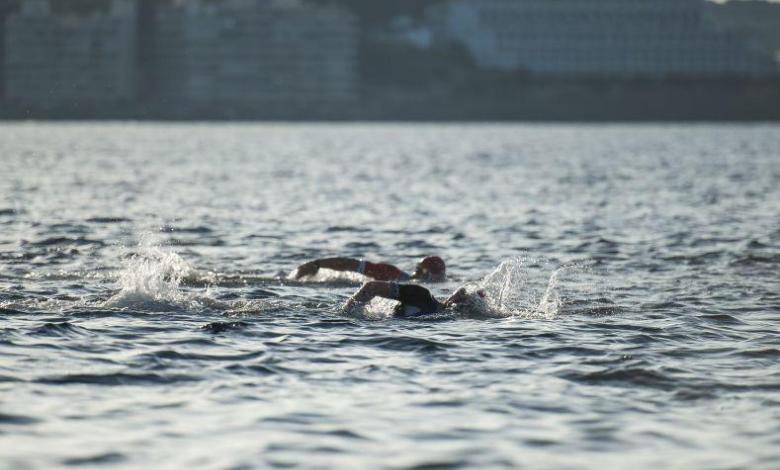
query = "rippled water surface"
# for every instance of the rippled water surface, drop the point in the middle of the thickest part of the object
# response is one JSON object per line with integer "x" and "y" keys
{"x": 147, "y": 320}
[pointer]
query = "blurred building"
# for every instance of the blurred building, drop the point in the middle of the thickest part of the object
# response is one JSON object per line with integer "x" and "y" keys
{"x": 612, "y": 38}
{"x": 757, "y": 20}
{"x": 52, "y": 60}
{"x": 6, "y": 8}
{"x": 404, "y": 30}
{"x": 284, "y": 57}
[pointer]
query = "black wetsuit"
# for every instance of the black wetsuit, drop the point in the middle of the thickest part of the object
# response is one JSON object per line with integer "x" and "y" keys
{"x": 415, "y": 300}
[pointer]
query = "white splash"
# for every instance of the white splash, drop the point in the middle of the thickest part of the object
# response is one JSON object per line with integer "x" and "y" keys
{"x": 150, "y": 279}
{"x": 550, "y": 303}
{"x": 515, "y": 290}
{"x": 376, "y": 310}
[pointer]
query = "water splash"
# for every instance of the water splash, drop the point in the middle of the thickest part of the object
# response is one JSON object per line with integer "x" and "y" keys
{"x": 550, "y": 303}
{"x": 524, "y": 287}
{"x": 151, "y": 279}
{"x": 376, "y": 310}
{"x": 533, "y": 288}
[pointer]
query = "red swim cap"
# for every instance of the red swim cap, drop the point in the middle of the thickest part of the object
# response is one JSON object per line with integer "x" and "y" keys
{"x": 434, "y": 265}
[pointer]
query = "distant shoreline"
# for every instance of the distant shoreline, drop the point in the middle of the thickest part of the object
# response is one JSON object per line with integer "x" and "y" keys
{"x": 552, "y": 100}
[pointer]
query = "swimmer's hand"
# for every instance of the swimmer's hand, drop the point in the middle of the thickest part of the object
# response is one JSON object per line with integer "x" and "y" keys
{"x": 457, "y": 297}
{"x": 349, "y": 305}
{"x": 307, "y": 269}
{"x": 461, "y": 296}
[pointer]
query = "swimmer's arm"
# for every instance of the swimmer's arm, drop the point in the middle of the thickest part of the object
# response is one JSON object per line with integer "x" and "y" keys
{"x": 336, "y": 264}
{"x": 388, "y": 290}
{"x": 378, "y": 271}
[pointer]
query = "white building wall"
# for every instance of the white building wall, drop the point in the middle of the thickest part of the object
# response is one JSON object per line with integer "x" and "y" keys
{"x": 51, "y": 60}
{"x": 595, "y": 37}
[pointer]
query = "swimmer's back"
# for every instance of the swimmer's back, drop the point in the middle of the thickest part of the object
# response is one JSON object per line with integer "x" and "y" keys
{"x": 385, "y": 272}
{"x": 414, "y": 301}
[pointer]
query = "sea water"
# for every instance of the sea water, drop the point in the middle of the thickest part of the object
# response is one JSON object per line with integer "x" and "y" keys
{"x": 149, "y": 321}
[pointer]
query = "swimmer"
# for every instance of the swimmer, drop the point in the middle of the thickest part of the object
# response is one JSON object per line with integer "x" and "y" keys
{"x": 414, "y": 300}
{"x": 430, "y": 268}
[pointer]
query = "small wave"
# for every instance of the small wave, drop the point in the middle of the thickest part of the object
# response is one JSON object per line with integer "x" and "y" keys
{"x": 222, "y": 327}
{"x": 197, "y": 278}
{"x": 142, "y": 302}
{"x": 17, "y": 419}
{"x": 400, "y": 343}
{"x": 11, "y": 311}
{"x": 51, "y": 241}
{"x": 18, "y": 258}
{"x": 592, "y": 307}
{"x": 757, "y": 245}
{"x": 99, "y": 459}
{"x": 254, "y": 369}
{"x": 346, "y": 228}
{"x": 599, "y": 246}
{"x": 59, "y": 329}
{"x": 761, "y": 353}
{"x": 629, "y": 377}
{"x": 756, "y": 260}
{"x": 342, "y": 433}
{"x": 197, "y": 241}
{"x": 173, "y": 355}
{"x": 263, "y": 236}
{"x": 722, "y": 318}
{"x": 107, "y": 220}
{"x": 330, "y": 323}
{"x": 362, "y": 246}
{"x": 117, "y": 378}
{"x": 195, "y": 230}
{"x": 416, "y": 244}
{"x": 694, "y": 259}
{"x": 251, "y": 308}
